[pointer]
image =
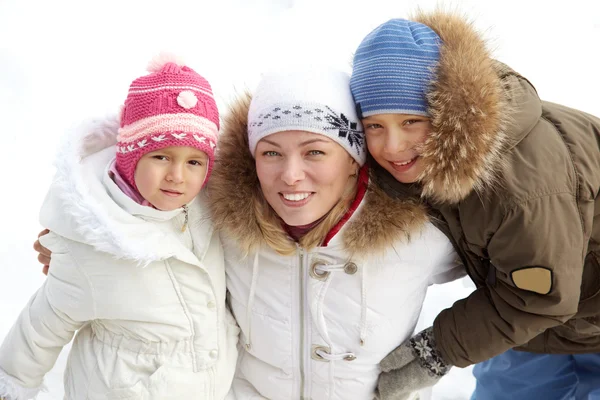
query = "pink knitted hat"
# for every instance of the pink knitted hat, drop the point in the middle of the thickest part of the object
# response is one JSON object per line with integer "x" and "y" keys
{"x": 172, "y": 106}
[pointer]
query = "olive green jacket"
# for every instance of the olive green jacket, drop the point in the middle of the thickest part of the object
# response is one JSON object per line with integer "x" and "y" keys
{"x": 514, "y": 182}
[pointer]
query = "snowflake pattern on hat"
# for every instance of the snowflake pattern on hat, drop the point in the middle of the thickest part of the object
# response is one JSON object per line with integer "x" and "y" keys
{"x": 324, "y": 117}
{"x": 315, "y": 100}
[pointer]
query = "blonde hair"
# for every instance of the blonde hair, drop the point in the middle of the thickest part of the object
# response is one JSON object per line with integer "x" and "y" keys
{"x": 277, "y": 238}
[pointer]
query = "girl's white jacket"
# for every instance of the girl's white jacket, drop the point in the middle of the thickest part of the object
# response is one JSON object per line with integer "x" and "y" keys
{"x": 147, "y": 300}
{"x": 316, "y": 324}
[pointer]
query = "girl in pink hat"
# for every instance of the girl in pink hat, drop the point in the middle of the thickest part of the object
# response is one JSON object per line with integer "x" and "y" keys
{"x": 137, "y": 270}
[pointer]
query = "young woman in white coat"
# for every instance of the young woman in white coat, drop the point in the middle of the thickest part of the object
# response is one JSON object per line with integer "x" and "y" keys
{"x": 137, "y": 268}
{"x": 326, "y": 273}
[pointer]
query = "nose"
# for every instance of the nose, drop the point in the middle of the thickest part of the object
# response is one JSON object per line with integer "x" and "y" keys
{"x": 175, "y": 173}
{"x": 293, "y": 171}
{"x": 396, "y": 142}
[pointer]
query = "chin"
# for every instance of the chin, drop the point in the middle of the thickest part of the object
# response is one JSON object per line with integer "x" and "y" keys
{"x": 297, "y": 220}
{"x": 402, "y": 178}
{"x": 167, "y": 207}
{"x": 405, "y": 180}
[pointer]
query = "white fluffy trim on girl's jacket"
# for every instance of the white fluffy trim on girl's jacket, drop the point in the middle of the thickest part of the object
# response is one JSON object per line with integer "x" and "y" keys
{"x": 11, "y": 390}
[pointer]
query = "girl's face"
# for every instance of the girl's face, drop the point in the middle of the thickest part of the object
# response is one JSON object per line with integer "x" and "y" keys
{"x": 171, "y": 177}
{"x": 393, "y": 141}
{"x": 302, "y": 175}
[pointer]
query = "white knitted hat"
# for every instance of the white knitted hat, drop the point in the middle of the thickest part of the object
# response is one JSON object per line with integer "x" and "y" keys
{"x": 317, "y": 101}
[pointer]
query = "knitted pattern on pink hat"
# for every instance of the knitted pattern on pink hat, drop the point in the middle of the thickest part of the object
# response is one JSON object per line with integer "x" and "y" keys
{"x": 172, "y": 106}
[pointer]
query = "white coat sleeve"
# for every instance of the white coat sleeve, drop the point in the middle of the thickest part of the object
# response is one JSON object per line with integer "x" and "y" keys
{"x": 446, "y": 265}
{"x": 46, "y": 324}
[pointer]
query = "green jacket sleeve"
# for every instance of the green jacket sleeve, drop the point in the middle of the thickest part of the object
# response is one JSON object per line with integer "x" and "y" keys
{"x": 537, "y": 252}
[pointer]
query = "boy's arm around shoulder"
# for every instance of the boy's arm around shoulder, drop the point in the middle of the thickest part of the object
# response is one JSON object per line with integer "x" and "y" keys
{"x": 537, "y": 257}
{"x": 537, "y": 253}
{"x": 46, "y": 324}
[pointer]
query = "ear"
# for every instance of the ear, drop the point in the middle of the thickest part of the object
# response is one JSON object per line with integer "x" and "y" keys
{"x": 355, "y": 167}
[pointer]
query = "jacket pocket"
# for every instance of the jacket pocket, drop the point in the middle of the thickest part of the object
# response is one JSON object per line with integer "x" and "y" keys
{"x": 166, "y": 383}
{"x": 133, "y": 392}
{"x": 587, "y": 320}
{"x": 579, "y": 329}
{"x": 590, "y": 282}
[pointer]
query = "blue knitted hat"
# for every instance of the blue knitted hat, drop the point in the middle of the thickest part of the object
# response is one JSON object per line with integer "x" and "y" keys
{"x": 393, "y": 67}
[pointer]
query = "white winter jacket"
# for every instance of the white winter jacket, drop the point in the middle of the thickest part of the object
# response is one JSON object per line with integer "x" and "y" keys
{"x": 315, "y": 325}
{"x": 147, "y": 300}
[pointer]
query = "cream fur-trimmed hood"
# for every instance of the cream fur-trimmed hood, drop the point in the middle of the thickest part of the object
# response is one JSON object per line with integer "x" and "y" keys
{"x": 79, "y": 207}
{"x": 234, "y": 186}
{"x": 479, "y": 108}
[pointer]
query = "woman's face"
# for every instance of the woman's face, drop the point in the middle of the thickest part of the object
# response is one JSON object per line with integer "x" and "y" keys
{"x": 302, "y": 175}
{"x": 394, "y": 140}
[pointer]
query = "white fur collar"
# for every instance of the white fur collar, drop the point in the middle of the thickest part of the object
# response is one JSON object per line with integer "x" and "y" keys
{"x": 79, "y": 206}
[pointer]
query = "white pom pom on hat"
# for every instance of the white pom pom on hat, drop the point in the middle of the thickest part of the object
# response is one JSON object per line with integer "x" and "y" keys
{"x": 158, "y": 62}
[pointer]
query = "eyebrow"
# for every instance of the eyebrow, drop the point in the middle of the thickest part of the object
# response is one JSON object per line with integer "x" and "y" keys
{"x": 313, "y": 141}
{"x": 373, "y": 118}
{"x": 165, "y": 150}
{"x": 198, "y": 153}
{"x": 306, "y": 142}
{"x": 370, "y": 120}
{"x": 271, "y": 143}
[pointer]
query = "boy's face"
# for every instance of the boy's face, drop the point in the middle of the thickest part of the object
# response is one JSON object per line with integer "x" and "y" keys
{"x": 171, "y": 177}
{"x": 394, "y": 140}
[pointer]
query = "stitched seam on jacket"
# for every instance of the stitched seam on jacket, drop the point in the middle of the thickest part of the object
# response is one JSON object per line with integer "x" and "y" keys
{"x": 89, "y": 382}
{"x": 576, "y": 183}
{"x": 260, "y": 314}
{"x": 185, "y": 311}
{"x": 82, "y": 272}
{"x": 537, "y": 197}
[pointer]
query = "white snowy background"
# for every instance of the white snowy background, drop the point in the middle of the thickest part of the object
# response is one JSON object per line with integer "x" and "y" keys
{"x": 63, "y": 60}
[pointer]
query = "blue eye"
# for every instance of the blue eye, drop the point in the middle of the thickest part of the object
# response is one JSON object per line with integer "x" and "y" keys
{"x": 270, "y": 153}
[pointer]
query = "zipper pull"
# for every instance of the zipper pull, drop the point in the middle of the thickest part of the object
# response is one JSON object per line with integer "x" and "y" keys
{"x": 185, "y": 222}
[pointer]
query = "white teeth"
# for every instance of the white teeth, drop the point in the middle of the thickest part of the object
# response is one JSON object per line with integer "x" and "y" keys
{"x": 404, "y": 163}
{"x": 295, "y": 196}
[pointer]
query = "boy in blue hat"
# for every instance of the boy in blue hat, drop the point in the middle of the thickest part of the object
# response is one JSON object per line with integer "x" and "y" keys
{"x": 514, "y": 182}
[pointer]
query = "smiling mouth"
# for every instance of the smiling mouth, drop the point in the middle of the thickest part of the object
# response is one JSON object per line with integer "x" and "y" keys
{"x": 403, "y": 163}
{"x": 404, "y": 166}
{"x": 295, "y": 196}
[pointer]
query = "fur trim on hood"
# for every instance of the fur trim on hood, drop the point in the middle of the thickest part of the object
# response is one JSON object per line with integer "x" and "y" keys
{"x": 79, "y": 207}
{"x": 234, "y": 186}
{"x": 478, "y": 107}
